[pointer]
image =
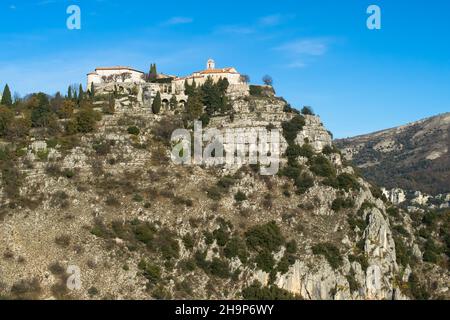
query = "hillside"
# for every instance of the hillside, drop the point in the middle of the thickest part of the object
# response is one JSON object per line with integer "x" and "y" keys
{"x": 93, "y": 189}
{"x": 412, "y": 157}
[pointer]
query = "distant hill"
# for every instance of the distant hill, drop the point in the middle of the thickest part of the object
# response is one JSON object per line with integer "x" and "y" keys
{"x": 415, "y": 156}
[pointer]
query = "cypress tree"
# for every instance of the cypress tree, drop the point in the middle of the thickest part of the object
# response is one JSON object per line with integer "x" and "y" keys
{"x": 6, "y": 98}
{"x": 80, "y": 93}
{"x": 156, "y": 105}
{"x": 173, "y": 102}
{"x": 92, "y": 91}
{"x": 152, "y": 75}
{"x": 69, "y": 93}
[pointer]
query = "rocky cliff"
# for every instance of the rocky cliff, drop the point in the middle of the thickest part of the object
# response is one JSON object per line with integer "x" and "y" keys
{"x": 133, "y": 225}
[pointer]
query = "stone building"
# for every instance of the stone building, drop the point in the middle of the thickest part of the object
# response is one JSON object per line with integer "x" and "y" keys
{"x": 126, "y": 80}
{"x": 114, "y": 74}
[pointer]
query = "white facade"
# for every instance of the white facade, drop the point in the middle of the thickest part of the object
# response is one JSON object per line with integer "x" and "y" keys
{"x": 114, "y": 74}
{"x": 230, "y": 73}
{"x": 102, "y": 76}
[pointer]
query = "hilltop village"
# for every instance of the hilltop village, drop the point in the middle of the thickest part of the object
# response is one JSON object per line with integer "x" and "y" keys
{"x": 121, "y": 79}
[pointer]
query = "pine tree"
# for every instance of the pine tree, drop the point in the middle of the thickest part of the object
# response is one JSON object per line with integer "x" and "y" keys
{"x": 156, "y": 105}
{"x": 194, "y": 107}
{"x": 6, "y": 98}
{"x": 69, "y": 93}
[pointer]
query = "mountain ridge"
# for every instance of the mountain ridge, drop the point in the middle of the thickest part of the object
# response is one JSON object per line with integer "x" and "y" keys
{"x": 414, "y": 156}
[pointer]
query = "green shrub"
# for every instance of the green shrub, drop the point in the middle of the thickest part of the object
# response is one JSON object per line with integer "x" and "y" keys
{"x": 377, "y": 193}
{"x": 330, "y": 252}
{"x": 188, "y": 241}
{"x": 327, "y": 150}
{"x": 307, "y": 111}
{"x": 222, "y": 187}
{"x": 167, "y": 244}
{"x": 403, "y": 253}
{"x": 347, "y": 182}
{"x": 256, "y": 91}
{"x": 265, "y": 261}
{"x": 292, "y": 127}
{"x": 144, "y": 232}
{"x": 226, "y": 182}
{"x": 219, "y": 268}
{"x": 416, "y": 289}
{"x": 93, "y": 291}
{"x": 265, "y": 237}
{"x": 236, "y": 247}
{"x": 431, "y": 252}
{"x": 187, "y": 265}
{"x": 357, "y": 221}
{"x": 291, "y": 172}
{"x": 99, "y": 229}
{"x": 257, "y": 292}
{"x": 151, "y": 271}
{"x": 291, "y": 247}
{"x": 322, "y": 167}
{"x": 401, "y": 230}
{"x": 85, "y": 120}
{"x": 240, "y": 196}
{"x": 68, "y": 173}
{"x": 393, "y": 211}
{"x": 304, "y": 182}
{"x": 133, "y": 130}
{"x": 341, "y": 203}
{"x": 102, "y": 148}
{"x": 361, "y": 259}
{"x": 352, "y": 283}
{"x": 221, "y": 235}
{"x": 214, "y": 193}
{"x": 285, "y": 262}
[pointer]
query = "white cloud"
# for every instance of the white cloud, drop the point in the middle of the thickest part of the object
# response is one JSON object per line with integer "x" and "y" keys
{"x": 296, "y": 64}
{"x": 311, "y": 47}
{"x": 271, "y": 20}
{"x": 178, "y": 20}
{"x": 300, "y": 52}
{"x": 236, "y": 29}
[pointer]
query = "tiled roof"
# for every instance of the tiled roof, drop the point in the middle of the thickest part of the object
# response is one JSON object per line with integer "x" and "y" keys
{"x": 224, "y": 70}
{"x": 118, "y": 68}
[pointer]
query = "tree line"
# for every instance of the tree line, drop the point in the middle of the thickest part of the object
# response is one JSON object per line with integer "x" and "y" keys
{"x": 41, "y": 111}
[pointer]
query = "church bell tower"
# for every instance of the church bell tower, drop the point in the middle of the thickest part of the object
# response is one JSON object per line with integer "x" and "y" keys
{"x": 210, "y": 64}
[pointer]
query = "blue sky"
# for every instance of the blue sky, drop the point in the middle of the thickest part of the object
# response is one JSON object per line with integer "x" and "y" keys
{"x": 319, "y": 52}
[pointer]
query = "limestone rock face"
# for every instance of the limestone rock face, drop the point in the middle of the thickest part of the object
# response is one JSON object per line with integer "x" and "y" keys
{"x": 380, "y": 250}
{"x": 319, "y": 283}
{"x": 396, "y": 195}
{"x": 315, "y": 133}
{"x": 96, "y": 217}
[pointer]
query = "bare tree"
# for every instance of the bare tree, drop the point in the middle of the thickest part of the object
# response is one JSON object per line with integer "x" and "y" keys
{"x": 244, "y": 78}
{"x": 268, "y": 81}
{"x": 124, "y": 76}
